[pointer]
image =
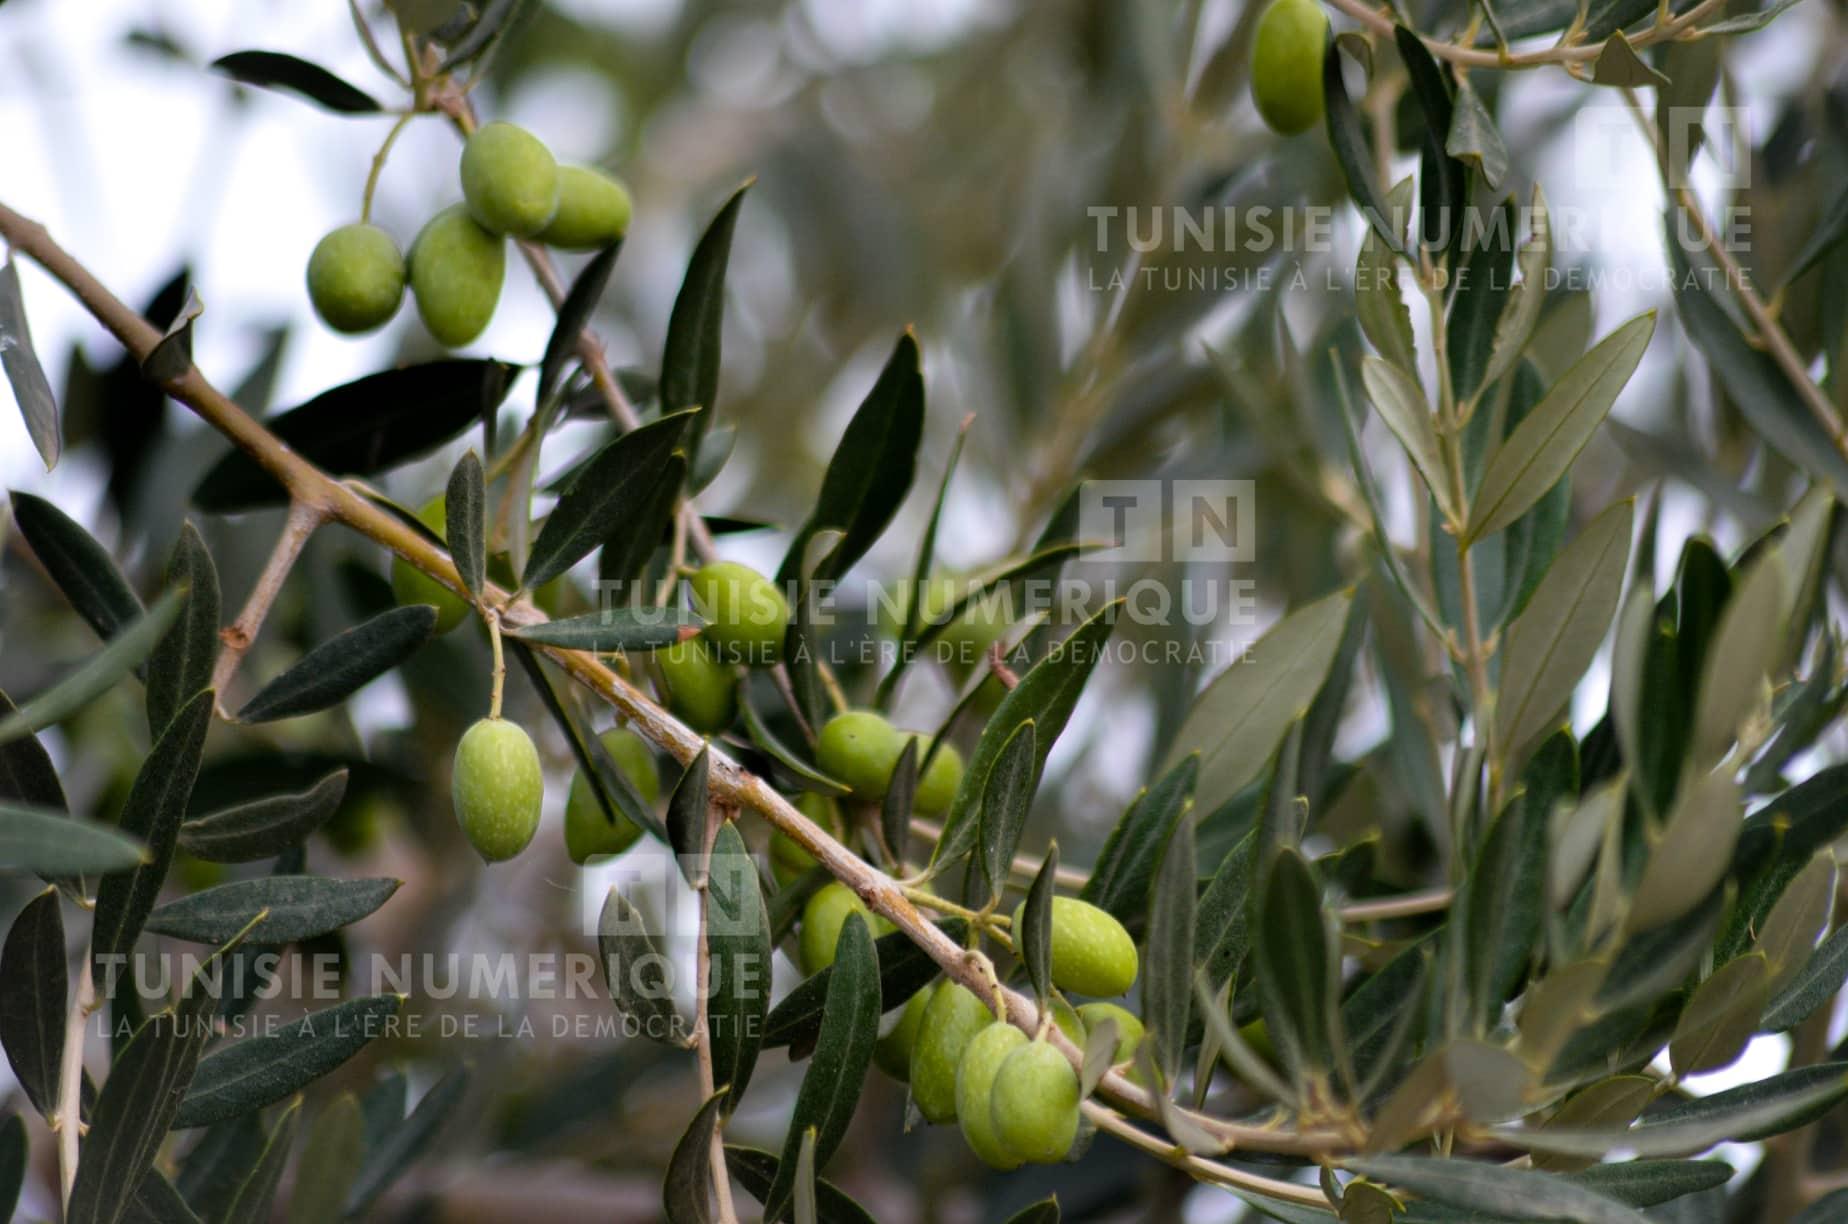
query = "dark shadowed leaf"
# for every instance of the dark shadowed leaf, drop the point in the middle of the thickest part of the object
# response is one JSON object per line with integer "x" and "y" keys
{"x": 1443, "y": 181}
{"x": 1812, "y": 985}
{"x": 1033, "y": 937}
{"x": 901, "y": 793}
{"x": 637, "y": 974}
{"x": 465, "y": 521}
{"x": 365, "y": 427}
{"x": 1046, "y": 1211}
{"x": 247, "y": 1075}
{"x": 298, "y": 907}
{"x": 1473, "y": 136}
{"x": 755, "y": 1170}
{"x": 686, "y": 1192}
{"x": 1496, "y": 1190}
{"x": 1119, "y": 880}
{"x": 738, "y": 945}
{"x": 26, "y": 773}
{"x": 613, "y": 629}
{"x": 156, "y": 804}
{"x": 33, "y": 986}
{"x": 491, "y": 24}
{"x": 573, "y": 314}
{"x": 904, "y": 969}
{"x": 1005, "y": 802}
{"x": 97, "y": 674}
{"x": 81, "y": 567}
{"x": 182, "y": 663}
{"x": 342, "y": 665}
{"x": 262, "y": 828}
{"x": 1167, "y": 957}
{"x": 843, "y": 1050}
{"x": 1484, "y": 286}
{"x": 30, "y": 386}
{"x": 274, "y": 70}
{"x": 614, "y": 487}
{"x": 688, "y": 810}
{"x": 47, "y": 842}
{"x": 258, "y": 1191}
{"x": 1292, "y": 965}
{"x": 1347, "y": 136}
{"x": 690, "y": 357}
{"x": 171, "y": 357}
{"x": 330, "y": 1161}
{"x": 159, "y": 1201}
{"x": 13, "y": 1153}
{"x": 391, "y": 1154}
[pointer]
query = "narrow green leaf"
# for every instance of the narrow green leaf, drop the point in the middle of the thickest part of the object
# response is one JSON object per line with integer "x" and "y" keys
{"x": 1483, "y": 288}
{"x": 1746, "y": 646}
{"x": 1613, "y": 1102}
{"x": 342, "y": 665}
{"x": 1689, "y": 856}
{"x": 1829, "y": 232}
{"x": 1811, "y": 986}
{"x": 389, "y": 1155}
{"x": 1347, "y": 136}
{"x": 1378, "y": 301}
{"x": 489, "y": 26}
{"x": 182, "y": 663}
{"x": 637, "y": 974}
{"x": 760, "y": 734}
{"x": 330, "y": 1161}
{"x": 1501, "y": 909}
{"x": 843, "y": 1050}
{"x": 1798, "y": 920}
{"x": 240, "y": 1078}
{"x": 155, "y": 807}
{"x": 258, "y": 1192}
{"x": 1167, "y": 956}
{"x": 159, "y": 1201}
{"x": 34, "y": 985}
{"x": 573, "y": 315}
{"x": 1401, "y": 404}
{"x": 1521, "y": 310}
{"x": 1496, "y": 1190}
{"x": 1618, "y": 64}
{"x": 904, "y": 969}
{"x": 274, "y": 70}
{"x": 739, "y": 950}
{"x": 465, "y": 521}
{"x": 1292, "y": 968}
{"x": 1119, "y": 880}
{"x": 1237, "y": 721}
{"x": 686, "y": 1193}
{"x": 614, "y": 487}
{"x": 26, "y": 773}
{"x": 901, "y": 794}
{"x": 1222, "y": 931}
{"x": 688, "y": 810}
{"x": 263, "y": 828}
{"x": 803, "y": 1195}
{"x": 1473, "y": 136}
{"x": 285, "y": 908}
{"x": 80, "y": 566}
{"x": 1006, "y": 799}
{"x": 1721, "y": 1016}
{"x": 97, "y": 674}
{"x": 616, "y": 795}
{"x": 1542, "y": 447}
{"x": 612, "y": 629}
{"x": 756, "y": 1171}
{"x": 1443, "y": 181}
{"x": 926, "y": 564}
{"x": 1556, "y": 637}
{"x": 171, "y": 356}
{"x": 1033, "y": 938}
{"x": 48, "y": 843}
{"x": 690, "y": 357}
{"x": 31, "y": 388}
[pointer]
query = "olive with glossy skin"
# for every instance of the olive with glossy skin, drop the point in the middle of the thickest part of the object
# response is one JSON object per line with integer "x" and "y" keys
{"x": 981, "y": 1062}
{"x": 701, "y": 691}
{"x": 937, "y": 786}
{"x": 822, "y": 919}
{"x": 951, "y": 1019}
{"x": 510, "y": 180}
{"x": 1091, "y": 952}
{"x": 1129, "y": 1027}
{"x": 860, "y": 748}
{"x": 498, "y": 787}
{"x": 1286, "y": 65}
{"x": 356, "y": 278}
{"x": 456, "y": 273}
{"x": 588, "y": 830}
{"x": 893, "y": 1051}
{"x": 593, "y": 210}
{"x": 788, "y": 860}
{"x": 745, "y": 614}
{"x": 410, "y": 585}
{"x": 1035, "y": 1103}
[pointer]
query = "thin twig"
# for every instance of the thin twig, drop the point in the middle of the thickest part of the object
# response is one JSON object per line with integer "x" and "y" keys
{"x": 1405, "y": 905}
{"x": 69, "y": 1119}
{"x": 1381, "y": 23}
{"x": 1112, "y": 1123}
{"x": 304, "y": 516}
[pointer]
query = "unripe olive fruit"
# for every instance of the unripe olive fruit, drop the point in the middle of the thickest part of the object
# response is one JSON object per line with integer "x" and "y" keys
{"x": 1129, "y": 1027}
{"x": 593, "y": 210}
{"x": 951, "y": 1019}
{"x": 1286, "y": 65}
{"x": 1091, "y": 952}
{"x": 410, "y": 585}
{"x": 701, "y": 691}
{"x": 356, "y": 278}
{"x": 937, "y": 785}
{"x": 588, "y": 830}
{"x": 788, "y": 860}
{"x": 893, "y": 1051}
{"x": 510, "y": 180}
{"x": 745, "y": 614}
{"x": 1035, "y": 1103}
{"x": 822, "y": 919}
{"x": 975, "y": 1084}
{"x": 860, "y": 748}
{"x": 498, "y": 788}
{"x": 456, "y": 273}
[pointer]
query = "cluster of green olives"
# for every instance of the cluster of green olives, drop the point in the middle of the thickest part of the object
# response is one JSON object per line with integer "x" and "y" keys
{"x": 511, "y": 187}
{"x": 1286, "y": 65}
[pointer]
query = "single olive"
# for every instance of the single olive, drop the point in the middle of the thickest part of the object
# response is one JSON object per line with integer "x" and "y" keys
{"x": 410, "y": 585}
{"x": 822, "y": 919}
{"x": 510, "y": 180}
{"x": 952, "y": 1017}
{"x": 893, "y": 1051}
{"x": 1129, "y": 1027}
{"x": 745, "y": 614}
{"x": 975, "y": 1083}
{"x": 1286, "y": 65}
{"x": 588, "y": 829}
{"x": 1035, "y": 1103}
{"x": 356, "y": 278}
{"x": 1091, "y": 952}
{"x": 860, "y": 748}
{"x": 701, "y": 691}
{"x": 593, "y": 210}
{"x": 937, "y": 786}
{"x": 788, "y": 860}
{"x": 456, "y": 273}
{"x": 498, "y": 788}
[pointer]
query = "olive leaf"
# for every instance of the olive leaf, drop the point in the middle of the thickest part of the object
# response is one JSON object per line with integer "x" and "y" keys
{"x": 1721, "y": 1016}
{"x": 329, "y": 1162}
{"x": 690, "y": 356}
{"x": 1689, "y": 855}
{"x": 1292, "y": 966}
{"x": 1473, "y": 136}
{"x": 341, "y": 666}
{"x": 574, "y": 314}
{"x": 26, "y": 773}
{"x": 274, "y": 70}
{"x": 611, "y": 489}
{"x": 615, "y": 794}
{"x": 1347, "y": 136}
{"x": 738, "y": 955}
{"x": 1378, "y": 303}
{"x": 182, "y": 662}
{"x": 283, "y": 909}
{"x": 389, "y": 1154}
{"x": 263, "y": 827}
{"x": 1496, "y": 1190}
{"x": 1006, "y": 799}
{"x": 612, "y": 629}
{"x": 1814, "y": 984}
{"x": 1401, "y": 404}
{"x": 1745, "y": 647}
{"x": 13, "y": 1152}
{"x": 171, "y": 356}
{"x": 1521, "y": 307}
{"x": 688, "y": 811}
{"x": 686, "y": 1192}
{"x": 1443, "y": 181}
{"x": 34, "y": 984}
{"x": 756, "y": 1171}
{"x": 97, "y": 674}
{"x": 1483, "y": 288}
{"x": 637, "y": 973}
{"x": 465, "y": 521}
{"x": 1167, "y": 958}
{"x": 1033, "y": 937}
{"x": 1119, "y": 880}
{"x": 901, "y": 793}
{"x": 81, "y": 567}
{"x": 258, "y": 1191}
{"x": 49, "y": 843}
{"x": 31, "y": 388}
{"x": 244, "y": 1076}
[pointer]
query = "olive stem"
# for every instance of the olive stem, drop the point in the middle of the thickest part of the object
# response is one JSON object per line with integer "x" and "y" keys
{"x": 68, "y": 1122}
{"x": 378, "y": 165}
{"x": 1576, "y": 53}
{"x": 492, "y": 617}
{"x": 721, "y": 1177}
{"x": 1108, "y": 1120}
{"x": 304, "y": 517}
{"x": 729, "y": 781}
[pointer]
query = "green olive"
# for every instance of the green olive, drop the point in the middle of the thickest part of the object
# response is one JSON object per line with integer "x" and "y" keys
{"x": 588, "y": 829}
{"x": 1091, "y": 952}
{"x": 1035, "y": 1103}
{"x": 593, "y": 210}
{"x": 745, "y": 614}
{"x": 356, "y": 278}
{"x": 952, "y": 1017}
{"x": 788, "y": 860}
{"x": 456, "y": 273}
{"x": 510, "y": 180}
{"x": 498, "y": 788}
{"x": 702, "y": 692}
{"x": 975, "y": 1083}
{"x": 410, "y": 585}
{"x": 1286, "y": 65}
{"x": 1129, "y": 1027}
{"x": 937, "y": 786}
{"x": 893, "y": 1051}
{"x": 822, "y": 919}
{"x": 860, "y": 748}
